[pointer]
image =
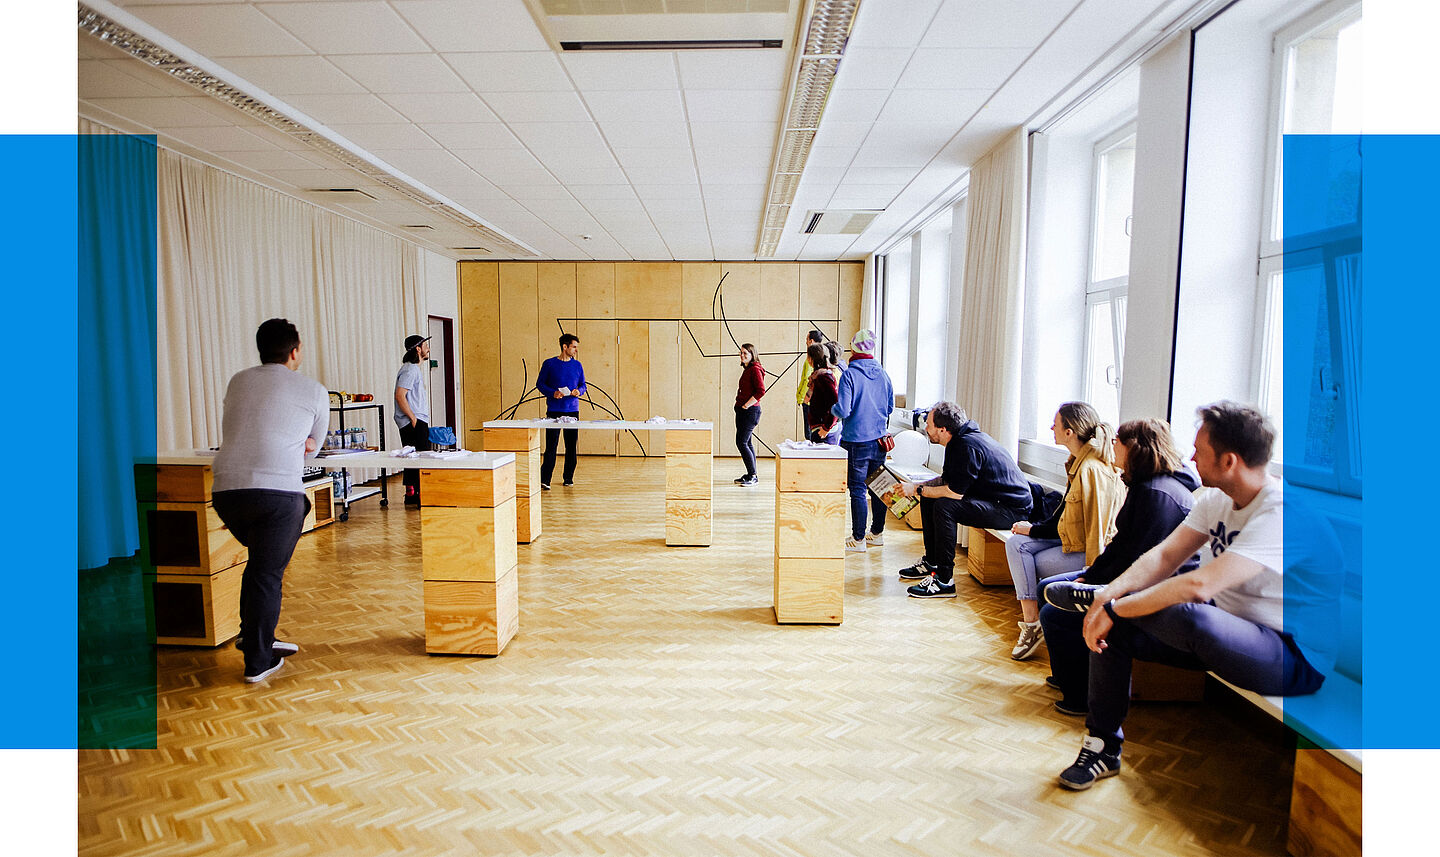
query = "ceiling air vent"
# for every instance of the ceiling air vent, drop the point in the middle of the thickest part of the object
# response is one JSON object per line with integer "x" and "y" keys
{"x": 352, "y": 194}
{"x": 846, "y": 221}
{"x": 674, "y": 45}
{"x": 417, "y": 226}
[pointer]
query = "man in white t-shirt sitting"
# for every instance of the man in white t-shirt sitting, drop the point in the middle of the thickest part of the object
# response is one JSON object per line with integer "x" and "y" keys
{"x": 1249, "y": 613}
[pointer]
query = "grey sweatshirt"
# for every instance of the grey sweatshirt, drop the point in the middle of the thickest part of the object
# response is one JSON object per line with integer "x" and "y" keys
{"x": 269, "y": 412}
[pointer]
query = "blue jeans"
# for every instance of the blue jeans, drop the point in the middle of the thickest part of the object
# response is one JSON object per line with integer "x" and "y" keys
{"x": 866, "y": 457}
{"x": 1032, "y": 560}
{"x": 1196, "y": 637}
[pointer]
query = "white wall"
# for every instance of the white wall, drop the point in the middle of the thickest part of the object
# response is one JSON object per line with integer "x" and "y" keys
{"x": 442, "y": 298}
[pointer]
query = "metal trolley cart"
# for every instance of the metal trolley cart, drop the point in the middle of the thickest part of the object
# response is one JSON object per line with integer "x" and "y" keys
{"x": 348, "y": 494}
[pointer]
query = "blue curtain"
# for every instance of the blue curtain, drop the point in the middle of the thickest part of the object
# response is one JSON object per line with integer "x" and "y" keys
{"x": 116, "y": 269}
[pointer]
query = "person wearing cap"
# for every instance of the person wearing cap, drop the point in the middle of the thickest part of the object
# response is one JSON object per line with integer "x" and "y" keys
{"x": 561, "y": 381}
{"x": 865, "y": 399}
{"x": 412, "y": 408}
{"x": 274, "y": 419}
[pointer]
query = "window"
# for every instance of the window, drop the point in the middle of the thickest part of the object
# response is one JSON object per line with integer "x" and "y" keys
{"x": 931, "y": 313}
{"x": 1315, "y": 122}
{"x": 1109, "y": 275}
{"x": 895, "y": 322}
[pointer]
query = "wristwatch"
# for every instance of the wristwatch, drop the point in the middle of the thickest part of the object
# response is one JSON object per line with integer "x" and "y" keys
{"x": 1110, "y": 608}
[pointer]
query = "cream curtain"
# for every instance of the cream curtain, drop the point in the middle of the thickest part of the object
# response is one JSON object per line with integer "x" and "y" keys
{"x": 232, "y": 254}
{"x": 992, "y": 305}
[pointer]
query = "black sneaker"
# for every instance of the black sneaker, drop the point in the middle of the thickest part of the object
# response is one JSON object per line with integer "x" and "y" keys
{"x": 1068, "y": 595}
{"x": 279, "y": 647}
{"x": 251, "y": 679}
{"x": 752, "y": 479}
{"x": 569, "y": 482}
{"x": 918, "y": 571}
{"x": 932, "y": 588}
{"x": 1052, "y": 681}
{"x": 1074, "y": 709}
{"x": 1092, "y": 764}
{"x": 545, "y": 485}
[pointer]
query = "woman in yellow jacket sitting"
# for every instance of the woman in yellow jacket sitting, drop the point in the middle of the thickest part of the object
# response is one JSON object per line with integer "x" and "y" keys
{"x": 1080, "y": 529}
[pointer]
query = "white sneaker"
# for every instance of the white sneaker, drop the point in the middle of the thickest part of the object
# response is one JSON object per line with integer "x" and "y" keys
{"x": 853, "y": 545}
{"x": 1030, "y": 637}
{"x": 875, "y": 540}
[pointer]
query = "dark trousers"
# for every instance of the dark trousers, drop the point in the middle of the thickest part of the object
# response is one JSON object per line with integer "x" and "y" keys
{"x": 268, "y": 523}
{"x": 1196, "y": 637}
{"x": 940, "y": 517}
{"x": 1065, "y": 640}
{"x": 746, "y": 419}
{"x": 552, "y": 441}
{"x": 864, "y": 457}
{"x": 417, "y": 434}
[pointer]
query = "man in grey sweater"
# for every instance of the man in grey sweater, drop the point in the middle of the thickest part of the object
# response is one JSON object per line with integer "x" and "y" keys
{"x": 274, "y": 418}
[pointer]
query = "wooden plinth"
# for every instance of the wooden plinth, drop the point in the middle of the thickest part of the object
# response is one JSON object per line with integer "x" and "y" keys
{"x": 986, "y": 559}
{"x": 322, "y": 505}
{"x": 196, "y": 609}
{"x": 689, "y": 477}
{"x": 1325, "y": 806}
{"x": 467, "y": 544}
{"x": 810, "y": 504}
{"x": 526, "y": 444}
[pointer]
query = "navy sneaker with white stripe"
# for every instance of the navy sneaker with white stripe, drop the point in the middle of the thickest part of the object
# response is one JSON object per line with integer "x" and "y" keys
{"x": 1092, "y": 764}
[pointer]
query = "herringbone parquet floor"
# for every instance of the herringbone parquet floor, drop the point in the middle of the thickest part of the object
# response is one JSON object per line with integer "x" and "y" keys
{"x": 650, "y": 705}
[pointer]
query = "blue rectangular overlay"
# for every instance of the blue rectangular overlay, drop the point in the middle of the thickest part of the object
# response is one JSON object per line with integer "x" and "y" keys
{"x": 115, "y": 248}
{"x": 38, "y": 224}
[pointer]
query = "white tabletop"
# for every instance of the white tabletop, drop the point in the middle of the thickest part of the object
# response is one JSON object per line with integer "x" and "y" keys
{"x": 375, "y": 460}
{"x": 824, "y": 451}
{"x": 378, "y": 460}
{"x": 630, "y": 425}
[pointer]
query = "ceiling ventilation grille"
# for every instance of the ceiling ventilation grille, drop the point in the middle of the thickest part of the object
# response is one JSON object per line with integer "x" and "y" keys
{"x": 143, "y": 49}
{"x": 826, "y": 31}
{"x": 839, "y": 221}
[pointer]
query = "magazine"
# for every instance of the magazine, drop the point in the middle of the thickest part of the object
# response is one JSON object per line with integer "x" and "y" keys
{"x": 888, "y": 489}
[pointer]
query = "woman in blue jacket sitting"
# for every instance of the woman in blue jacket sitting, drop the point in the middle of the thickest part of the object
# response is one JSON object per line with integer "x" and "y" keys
{"x": 1159, "y": 498}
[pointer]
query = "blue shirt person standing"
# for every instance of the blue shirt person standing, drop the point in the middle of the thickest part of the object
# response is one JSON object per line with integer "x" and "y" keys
{"x": 562, "y": 382}
{"x": 866, "y": 398}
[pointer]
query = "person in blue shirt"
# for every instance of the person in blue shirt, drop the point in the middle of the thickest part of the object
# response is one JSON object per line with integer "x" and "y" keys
{"x": 562, "y": 382}
{"x": 865, "y": 399}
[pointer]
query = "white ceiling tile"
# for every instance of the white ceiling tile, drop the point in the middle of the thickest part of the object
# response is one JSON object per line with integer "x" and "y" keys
{"x": 674, "y": 206}
{"x": 160, "y": 113}
{"x": 818, "y": 176}
{"x": 339, "y": 109}
{"x": 902, "y": 145}
{"x": 399, "y": 73}
{"x": 854, "y": 105}
{"x": 227, "y": 138}
{"x": 899, "y": 23}
{"x": 546, "y": 135}
{"x": 284, "y": 76}
{"x": 872, "y": 68}
{"x": 654, "y": 157}
{"x": 537, "y": 106}
{"x": 273, "y": 159}
{"x": 732, "y": 105}
{"x": 934, "y": 106}
{"x": 606, "y": 192}
{"x": 435, "y": 167}
{"x": 657, "y": 173}
{"x": 600, "y": 207}
{"x": 711, "y": 135}
{"x": 227, "y": 30}
{"x": 649, "y": 192}
{"x": 441, "y": 107}
{"x": 741, "y": 69}
{"x": 512, "y": 71}
{"x": 621, "y": 70}
{"x": 837, "y": 133}
{"x": 386, "y": 136}
{"x": 981, "y": 23}
{"x": 99, "y": 79}
{"x": 961, "y": 68}
{"x": 472, "y": 135}
{"x": 369, "y": 27}
{"x": 824, "y": 156}
{"x": 467, "y": 25}
{"x": 494, "y": 162}
{"x": 637, "y": 106}
{"x": 645, "y": 135}
{"x": 892, "y": 177}
{"x": 510, "y": 177}
{"x": 576, "y": 177}
{"x": 535, "y": 190}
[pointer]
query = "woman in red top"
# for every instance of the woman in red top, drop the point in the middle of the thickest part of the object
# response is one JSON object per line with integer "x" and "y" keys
{"x": 747, "y": 410}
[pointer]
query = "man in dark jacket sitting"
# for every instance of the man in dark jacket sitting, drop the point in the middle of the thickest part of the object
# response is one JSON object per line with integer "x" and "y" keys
{"x": 980, "y": 485}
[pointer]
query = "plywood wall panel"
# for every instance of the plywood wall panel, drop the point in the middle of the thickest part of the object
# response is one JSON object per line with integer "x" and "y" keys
{"x": 820, "y": 297}
{"x": 775, "y": 338}
{"x": 632, "y": 381}
{"x": 665, "y": 372}
{"x": 598, "y": 352}
{"x": 852, "y": 281}
{"x": 648, "y": 290}
{"x": 519, "y": 341}
{"x": 595, "y": 289}
{"x": 698, "y": 281}
{"x": 699, "y": 374}
{"x": 479, "y": 346}
{"x": 555, "y": 313}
